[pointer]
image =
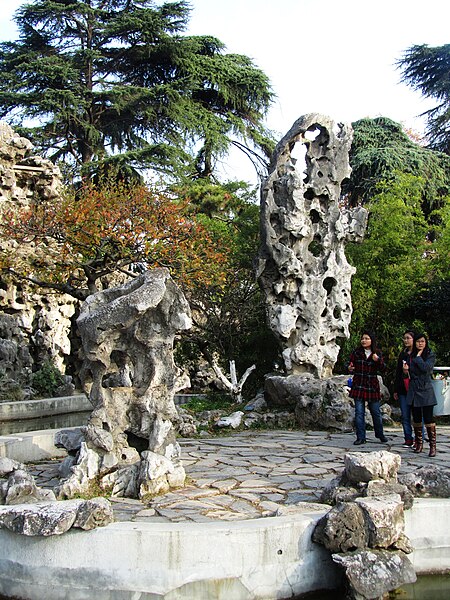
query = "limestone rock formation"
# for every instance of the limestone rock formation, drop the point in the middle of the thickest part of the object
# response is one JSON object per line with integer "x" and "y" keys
{"x": 366, "y": 580}
{"x": 428, "y": 481}
{"x": 128, "y": 334}
{"x": 366, "y": 532}
{"x": 17, "y": 486}
{"x": 302, "y": 267}
{"x": 42, "y": 323}
{"x": 317, "y": 403}
{"x": 55, "y": 518}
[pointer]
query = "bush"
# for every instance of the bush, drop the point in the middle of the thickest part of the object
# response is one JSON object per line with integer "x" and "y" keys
{"x": 10, "y": 391}
{"x": 47, "y": 379}
{"x": 212, "y": 401}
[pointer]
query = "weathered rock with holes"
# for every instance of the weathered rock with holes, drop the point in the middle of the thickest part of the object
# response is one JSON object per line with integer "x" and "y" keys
{"x": 342, "y": 529}
{"x": 428, "y": 481}
{"x": 372, "y": 573}
{"x": 368, "y": 513}
{"x": 316, "y": 403}
{"x": 128, "y": 334}
{"x": 302, "y": 267}
{"x": 55, "y": 518}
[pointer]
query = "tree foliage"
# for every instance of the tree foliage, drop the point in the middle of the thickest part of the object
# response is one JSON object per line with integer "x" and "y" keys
{"x": 72, "y": 244}
{"x": 115, "y": 82}
{"x": 230, "y": 321}
{"x": 380, "y": 150}
{"x": 390, "y": 267}
{"x": 428, "y": 70}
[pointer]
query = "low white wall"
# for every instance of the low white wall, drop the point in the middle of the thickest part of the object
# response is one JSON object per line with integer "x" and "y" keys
{"x": 261, "y": 559}
{"x": 31, "y": 446}
{"x": 34, "y": 409}
{"x": 427, "y": 526}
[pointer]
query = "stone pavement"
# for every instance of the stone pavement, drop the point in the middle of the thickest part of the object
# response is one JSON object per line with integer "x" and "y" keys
{"x": 252, "y": 474}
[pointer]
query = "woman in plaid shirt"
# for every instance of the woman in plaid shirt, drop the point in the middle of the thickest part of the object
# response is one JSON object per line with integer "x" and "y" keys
{"x": 365, "y": 364}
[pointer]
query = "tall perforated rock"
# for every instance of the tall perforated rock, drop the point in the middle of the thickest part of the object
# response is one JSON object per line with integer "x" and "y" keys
{"x": 128, "y": 334}
{"x": 302, "y": 267}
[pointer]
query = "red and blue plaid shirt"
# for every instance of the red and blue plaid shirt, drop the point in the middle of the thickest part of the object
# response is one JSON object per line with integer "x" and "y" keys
{"x": 365, "y": 376}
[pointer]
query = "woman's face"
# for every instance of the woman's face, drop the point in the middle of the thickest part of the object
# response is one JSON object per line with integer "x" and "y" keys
{"x": 421, "y": 343}
{"x": 366, "y": 341}
{"x": 408, "y": 340}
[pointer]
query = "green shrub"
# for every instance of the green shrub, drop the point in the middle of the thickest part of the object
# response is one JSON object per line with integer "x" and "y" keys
{"x": 10, "y": 391}
{"x": 212, "y": 401}
{"x": 47, "y": 379}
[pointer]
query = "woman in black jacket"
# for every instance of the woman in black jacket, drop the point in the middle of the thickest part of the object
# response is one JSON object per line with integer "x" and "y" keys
{"x": 401, "y": 385}
{"x": 420, "y": 395}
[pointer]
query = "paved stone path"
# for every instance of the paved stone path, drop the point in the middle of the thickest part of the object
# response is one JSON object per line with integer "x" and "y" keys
{"x": 256, "y": 474}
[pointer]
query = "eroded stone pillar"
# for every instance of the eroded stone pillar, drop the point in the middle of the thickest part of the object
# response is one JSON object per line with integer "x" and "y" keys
{"x": 128, "y": 334}
{"x": 302, "y": 267}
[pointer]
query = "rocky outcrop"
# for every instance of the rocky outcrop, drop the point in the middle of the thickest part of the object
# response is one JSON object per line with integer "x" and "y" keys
{"x": 38, "y": 325}
{"x": 27, "y": 509}
{"x": 302, "y": 267}
{"x": 429, "y": 481}
{"x": 55, "y": 518}
{"x": 364, "y": 530}
{"x": 130, "y": 441}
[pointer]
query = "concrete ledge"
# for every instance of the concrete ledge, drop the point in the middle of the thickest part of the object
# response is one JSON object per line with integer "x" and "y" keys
{"x": 260, "y": 559}
{"x": 34, "y": 409}
{"x": 31, "y": 446}
{"x": 426, "y": 525}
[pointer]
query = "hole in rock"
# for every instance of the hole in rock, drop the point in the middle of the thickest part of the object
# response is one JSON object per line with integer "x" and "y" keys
{"x": 134, "y": 441}
{"x": 315, "y": 216}
{"x": 315, "y": 247}
{"x": 329, "y": 283}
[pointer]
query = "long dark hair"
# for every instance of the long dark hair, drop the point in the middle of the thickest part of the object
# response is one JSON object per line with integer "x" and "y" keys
{"x": 426, "y": 350}
{"x": 373, "y": 338}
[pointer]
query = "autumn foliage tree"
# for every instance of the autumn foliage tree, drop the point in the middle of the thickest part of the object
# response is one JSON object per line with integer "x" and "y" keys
{"x": 76, "y": 244}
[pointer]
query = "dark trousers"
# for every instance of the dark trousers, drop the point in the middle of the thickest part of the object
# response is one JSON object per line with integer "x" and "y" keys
{"x": 422, "y": 412}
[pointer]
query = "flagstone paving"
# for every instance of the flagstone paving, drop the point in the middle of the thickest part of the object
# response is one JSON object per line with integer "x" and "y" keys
{"x": 249, "y": 475}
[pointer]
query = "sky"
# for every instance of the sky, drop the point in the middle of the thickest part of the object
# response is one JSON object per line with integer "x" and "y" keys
{"x": 335, "y": 57}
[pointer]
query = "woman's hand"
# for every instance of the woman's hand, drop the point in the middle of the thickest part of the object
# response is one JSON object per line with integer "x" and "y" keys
{"x": 351, "y": 367}
{"x": 375, "y": 357}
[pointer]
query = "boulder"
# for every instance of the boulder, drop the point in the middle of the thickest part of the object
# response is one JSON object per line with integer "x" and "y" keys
{"x": 367, "y": 466}
{"x": 317, "y": 403}
{"x": 372, "y": 573}
{"x": 55, "y": 518}
{"x": 430, "y": 480}
{"x": 342, "y": 529}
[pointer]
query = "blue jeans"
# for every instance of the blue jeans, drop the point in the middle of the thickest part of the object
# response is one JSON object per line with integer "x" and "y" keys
{"x": 360, "y": 419}
{"x": 406, "y": 417}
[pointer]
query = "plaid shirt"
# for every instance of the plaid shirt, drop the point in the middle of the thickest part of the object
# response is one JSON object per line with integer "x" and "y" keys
{"x": 365, "y": 380}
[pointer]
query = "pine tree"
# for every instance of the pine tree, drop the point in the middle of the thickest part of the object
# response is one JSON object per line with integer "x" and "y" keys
{"x": 428, "y": 70}
{"x": 380, "y": 150}
{"x": 115, "y": 82}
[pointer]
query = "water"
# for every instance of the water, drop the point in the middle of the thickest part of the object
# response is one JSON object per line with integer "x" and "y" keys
{"x": 427, "y": 587}
{"x": 43, "y": 423}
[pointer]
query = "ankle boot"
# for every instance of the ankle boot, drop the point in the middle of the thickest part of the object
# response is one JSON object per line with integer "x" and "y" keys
{"x": 418, "y": 440}
{"x": 431, "y": 430}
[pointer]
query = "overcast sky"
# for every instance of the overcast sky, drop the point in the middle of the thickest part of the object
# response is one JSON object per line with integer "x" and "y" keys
{"x": 335, "y": 57}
